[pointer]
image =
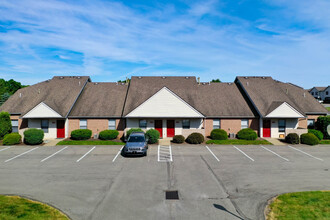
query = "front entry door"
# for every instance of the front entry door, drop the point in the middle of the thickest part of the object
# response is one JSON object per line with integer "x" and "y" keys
{"x": 170, "y": 128}
{"x": 159, "y": 127}
{"x": 60, "y": 129}
{"x": 266, "y": 128}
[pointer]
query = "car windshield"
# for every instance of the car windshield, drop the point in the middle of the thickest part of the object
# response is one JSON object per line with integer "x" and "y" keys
{"x": 136, "y": 139}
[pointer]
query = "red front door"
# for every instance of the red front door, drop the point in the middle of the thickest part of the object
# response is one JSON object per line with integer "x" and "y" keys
{"x": 60, "y": 129}
{"x": 159, "y": 127}
{"x": 266, "y": 128}
{"x": 170, "y": 128}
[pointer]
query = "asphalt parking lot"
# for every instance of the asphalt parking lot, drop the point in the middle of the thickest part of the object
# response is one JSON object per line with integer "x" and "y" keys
{"x": 213, "y": 182}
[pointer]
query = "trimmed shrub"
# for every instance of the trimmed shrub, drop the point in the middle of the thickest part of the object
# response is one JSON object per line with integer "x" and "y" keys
{"x": 309, "y": 139}
{"x": 12, "y": 138}
{"x": 33, "y": 136}
{"x": 219, "y": 134}
{"x": 108, "y": 134}
{"x": 247, "y": 134}
{"x": 195, "y": 138}
{"x": 317, "y": 133}
{"x": 152, "y": 135}
{"x": 292, "y": 138}
{"x": 81, "y": 134}
{"x": 322, "y": 124}
{"x": 128, "y": 133}
{"x": 179, "y": 139}
{"x": 5, "y": 124}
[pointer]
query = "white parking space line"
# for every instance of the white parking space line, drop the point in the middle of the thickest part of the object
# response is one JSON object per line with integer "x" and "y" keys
{"x": 117, "y": 154}
{"x": 5, "y": 149}
{"x": 54, "y": 154}
{"x": 212, "y": 153}
{"x": 305, "y": 153}
{"x": 21, "y": 154}
{"x": 165, "y": 153}
{"x": 243, "y": 153}
{"x": 275, "y": 153}
{"x": 85, "y": 154}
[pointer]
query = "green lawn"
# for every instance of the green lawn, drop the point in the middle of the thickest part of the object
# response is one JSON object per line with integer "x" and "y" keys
{"x": 238, "y": 142}
{"x": 325, "y": 142}
{"x": 15, "y": 207}
{"x": 328, "y": 108}
{"x": 301, "y": 205}
{"x": 89, "y": 142}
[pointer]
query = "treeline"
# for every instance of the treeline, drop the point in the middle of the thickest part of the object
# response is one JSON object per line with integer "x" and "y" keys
{"x": 7, "y": 88}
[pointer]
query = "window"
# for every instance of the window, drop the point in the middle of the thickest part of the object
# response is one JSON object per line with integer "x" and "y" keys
{"x": 83, "y": 123}
{"x": 186, "y": 124}
{"x": 143, "y": 124}
{"x": 244, "y": 123}
{"x": 281, "y": 125}
{"x": 316, "y": 93}
{"x": 14, "y": 124}
{"x": 312, "y": 93}
{"x": 327, "y": 93}
{"x": 112, "y": 124}
{"x": 310, "y": 123}
{"x": 45, "y": 125}
{"x": 216, "y": 123}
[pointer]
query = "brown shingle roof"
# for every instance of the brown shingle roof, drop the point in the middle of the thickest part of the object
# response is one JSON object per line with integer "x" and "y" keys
{"x": 100, "y": 100}
{"x": 304, "y": 100}
{"x": 59, "y": 93}
{"x": 264, "y": 92}
{"x": 222, "y": 100}
{"x": 212, "y": 100}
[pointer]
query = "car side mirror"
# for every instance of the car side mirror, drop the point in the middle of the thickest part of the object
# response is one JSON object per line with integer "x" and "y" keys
{"x": 147, "y": 139}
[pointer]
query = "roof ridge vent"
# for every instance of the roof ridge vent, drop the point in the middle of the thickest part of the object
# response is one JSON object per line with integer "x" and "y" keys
{"x": 245, "y": 77}
{"x": 187, "y": 77}
{"x": 96, "y": 83}
{"x": 139, "y": 77}
{"x": 61, "y": 77}
{"x": 78, "y": 77}
{"x": 263, "y": 77}
{"x": 163, "y": 77}
{"x": 229, "y": 83}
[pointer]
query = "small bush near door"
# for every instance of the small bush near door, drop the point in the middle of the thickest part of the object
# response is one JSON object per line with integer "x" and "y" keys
{"x": 108, "y": 134}
{"x": 292, "y": 138}
{"x": 128, "y": 133}
{"x": 317, "y": 133}
{"x": 81, "y": 134}
{"x": 179, "y": 139}
{"x": 309, "y": 139}
{"x": 11, "y": 139}
{"x": 219, "y": 134}
{"x": 195, "y": 138}
{"x": 152, "y": 135}
{"x": 33, "y": 136}
{"x": 247, "y": 134}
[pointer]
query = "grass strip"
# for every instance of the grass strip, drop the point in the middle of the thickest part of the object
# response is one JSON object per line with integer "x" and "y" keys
{"x": 238, "y": 142}
{"x": 89, "y": 142}
{"x": 15, "y": 207}
{"x": 325, "y": 142}
{"x": 301, "y": 205}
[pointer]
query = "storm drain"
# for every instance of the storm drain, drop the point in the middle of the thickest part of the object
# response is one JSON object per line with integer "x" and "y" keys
{"x": 172, "y": 195}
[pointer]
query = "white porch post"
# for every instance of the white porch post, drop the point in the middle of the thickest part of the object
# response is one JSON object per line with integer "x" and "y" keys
{"x": 261, "y": 127}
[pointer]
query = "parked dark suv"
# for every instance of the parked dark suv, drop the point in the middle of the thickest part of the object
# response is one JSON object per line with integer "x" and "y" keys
{"x": 136, "y": 143}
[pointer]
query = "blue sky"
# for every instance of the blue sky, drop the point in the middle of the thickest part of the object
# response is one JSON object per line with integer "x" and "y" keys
{"x": 112, "y": 40}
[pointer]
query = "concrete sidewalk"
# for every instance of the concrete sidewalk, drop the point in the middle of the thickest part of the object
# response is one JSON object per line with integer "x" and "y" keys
{"x": 275, "y": 141}
{"x": 52, "y": 142}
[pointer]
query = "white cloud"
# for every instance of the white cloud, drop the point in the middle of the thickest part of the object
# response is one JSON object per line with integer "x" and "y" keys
{"x": 164, "y": 40}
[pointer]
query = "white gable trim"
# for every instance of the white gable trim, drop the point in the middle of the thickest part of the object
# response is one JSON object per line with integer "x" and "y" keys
{"x": 273, "y": 113}
{"x": 133, "y": 115}
{"x": 51, "y": 113}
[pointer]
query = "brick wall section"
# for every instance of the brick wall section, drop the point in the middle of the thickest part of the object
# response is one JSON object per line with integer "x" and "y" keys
{"x": 73, "y": 125}
{"x": 230, "y": 125}
{"x": 302, "y": 122}
{"x": 97, "y": 125}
